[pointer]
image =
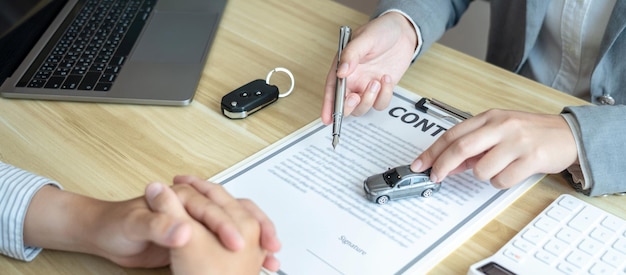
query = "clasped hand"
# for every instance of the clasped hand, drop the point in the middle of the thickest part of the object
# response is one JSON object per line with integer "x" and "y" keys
{"x": 213, "y": 233}
{"x": 195, "y": 226}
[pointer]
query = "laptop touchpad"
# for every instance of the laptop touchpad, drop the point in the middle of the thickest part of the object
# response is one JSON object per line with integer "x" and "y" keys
{"x": 175, "y": 37}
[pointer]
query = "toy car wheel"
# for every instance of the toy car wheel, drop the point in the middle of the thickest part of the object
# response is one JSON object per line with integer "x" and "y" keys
{"x": 427, "y": 193}
{"x": 382, "y": 199}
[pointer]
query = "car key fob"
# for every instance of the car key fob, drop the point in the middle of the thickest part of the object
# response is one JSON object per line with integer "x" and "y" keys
{"x": 249, "y": 98}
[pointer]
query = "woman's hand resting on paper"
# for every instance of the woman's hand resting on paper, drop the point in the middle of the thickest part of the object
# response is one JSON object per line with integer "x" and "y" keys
{"x": 375, "y": 59}
{"x": 504, "y": 147}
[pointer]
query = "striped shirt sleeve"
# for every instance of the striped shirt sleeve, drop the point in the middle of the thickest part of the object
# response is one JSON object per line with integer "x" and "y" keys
{"x": 17, "y": 188}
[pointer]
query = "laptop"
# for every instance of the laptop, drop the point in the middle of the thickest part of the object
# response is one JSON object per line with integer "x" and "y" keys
{"x": 113, "y": 51}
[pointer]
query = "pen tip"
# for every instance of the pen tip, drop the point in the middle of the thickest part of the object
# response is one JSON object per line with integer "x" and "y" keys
{"x": 335, "y": 141}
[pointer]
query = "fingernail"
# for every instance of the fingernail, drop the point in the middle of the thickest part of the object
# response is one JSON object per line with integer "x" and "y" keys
{"x": 417, "y": 165}
{"x": 154, "y": 189}
{"x": 433, "y": 178}
{"x": 387, "y": 78}
{"x": 351, "y": 102}
{"x": 375, "y": 87}
{"x": 171, "y": 232}
{"x": 238, "y": 241}
{"x": 343, "y": 68}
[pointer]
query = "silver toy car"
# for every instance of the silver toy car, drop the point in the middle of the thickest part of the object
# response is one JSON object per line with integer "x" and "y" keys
{"x": 399, "y": 182}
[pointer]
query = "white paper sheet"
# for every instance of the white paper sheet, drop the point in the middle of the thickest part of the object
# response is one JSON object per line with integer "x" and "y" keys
{"x": 315, "y": 196}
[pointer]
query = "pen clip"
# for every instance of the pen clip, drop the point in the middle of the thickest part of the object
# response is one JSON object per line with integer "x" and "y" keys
{"x": 345, "y": 34}
{"x": 340, "y": 85}
{"x": 441, "y": 110}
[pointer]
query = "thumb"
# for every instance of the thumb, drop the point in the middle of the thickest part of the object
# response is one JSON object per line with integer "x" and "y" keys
{"x": 357, "y": 51}
{"x": 167, "y": 225}
{"x": 350, "y": 58}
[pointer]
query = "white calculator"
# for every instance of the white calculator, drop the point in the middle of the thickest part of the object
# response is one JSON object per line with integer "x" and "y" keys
{"x": 570, "y": 236}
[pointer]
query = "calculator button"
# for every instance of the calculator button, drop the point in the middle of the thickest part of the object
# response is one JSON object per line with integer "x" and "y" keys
{"x": 558, "y": 213}
{"x": 555, "y": 247}
{"x": 567, "y": 235}
{"x": 523, "y": 245}
{"x": 514, "y": 254}
{"x": 620, "y": 245}
{"x": 546, "y": 224}
{"x": 612, "y": 223}
{"x": 534, "y": 235}
{"x": 590, "y": 246}
{"x": 601, "y": 268}
{"x": 570, "y": 203}
{"x": 545, "y": 257}
{"x": 584, "y": 219}
{"x": 613, "y": 258}
{"x": 567, "y": 268}
{"x": 600, "y": 234}
{"x": 577, "y": 258}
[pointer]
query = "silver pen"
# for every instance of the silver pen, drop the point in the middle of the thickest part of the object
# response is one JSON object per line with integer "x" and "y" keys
{"x": 340, "y": 87}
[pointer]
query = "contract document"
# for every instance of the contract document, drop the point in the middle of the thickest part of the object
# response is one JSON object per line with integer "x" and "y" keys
{"x": 315, "y": 197}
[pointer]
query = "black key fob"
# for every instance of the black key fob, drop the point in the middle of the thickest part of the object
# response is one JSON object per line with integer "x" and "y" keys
{"x": 248, "y": 99}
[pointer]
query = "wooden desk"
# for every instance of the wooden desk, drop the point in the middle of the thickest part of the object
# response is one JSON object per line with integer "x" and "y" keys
{"x": 112, "y": 151}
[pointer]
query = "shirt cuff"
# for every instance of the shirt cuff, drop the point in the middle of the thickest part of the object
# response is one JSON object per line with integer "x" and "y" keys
{"x": 579, "y": 170}
{"x": 17, "y": 189}
{"x": 30, "y": 252}
{"x": 418, "y": 32}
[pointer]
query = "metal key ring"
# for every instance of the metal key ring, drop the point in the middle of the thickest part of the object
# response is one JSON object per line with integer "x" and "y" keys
{"x": 280, "y": 69}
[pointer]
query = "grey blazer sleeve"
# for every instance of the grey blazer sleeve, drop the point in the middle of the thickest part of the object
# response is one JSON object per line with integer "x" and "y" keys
{"x": 432, "y": 17}
{"x": 602, "y": 131}
{"x": 17, "y": 188}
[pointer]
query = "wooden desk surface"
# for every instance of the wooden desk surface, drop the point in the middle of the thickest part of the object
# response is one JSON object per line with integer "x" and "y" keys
{"x": 112, "y": 151}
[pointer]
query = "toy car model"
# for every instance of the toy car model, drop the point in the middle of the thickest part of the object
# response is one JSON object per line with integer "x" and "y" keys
{"x": 399, "y": 182}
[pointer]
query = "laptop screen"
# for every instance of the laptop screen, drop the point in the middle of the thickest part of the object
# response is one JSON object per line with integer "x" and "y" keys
{"x": 21, "y": 24}
{"x": 12, "y": 13}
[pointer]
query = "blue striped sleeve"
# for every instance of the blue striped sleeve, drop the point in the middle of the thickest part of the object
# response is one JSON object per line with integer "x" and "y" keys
{"x": 17, "y": 188}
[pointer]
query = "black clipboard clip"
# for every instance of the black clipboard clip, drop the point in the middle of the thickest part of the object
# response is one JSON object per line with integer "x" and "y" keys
{"x": 441, "y": 110}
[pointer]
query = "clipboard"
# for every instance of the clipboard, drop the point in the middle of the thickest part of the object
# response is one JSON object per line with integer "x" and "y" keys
{"x": 441, "y": 110}
{"x": 324, "y": 221}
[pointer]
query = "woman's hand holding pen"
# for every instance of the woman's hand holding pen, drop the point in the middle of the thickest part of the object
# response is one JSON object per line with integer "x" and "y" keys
{"x": 502, "y": 146}
{"x": 374, "y": 61}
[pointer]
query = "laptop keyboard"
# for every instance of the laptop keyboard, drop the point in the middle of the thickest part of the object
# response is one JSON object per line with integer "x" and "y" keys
{"x": 89, "y": 50}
